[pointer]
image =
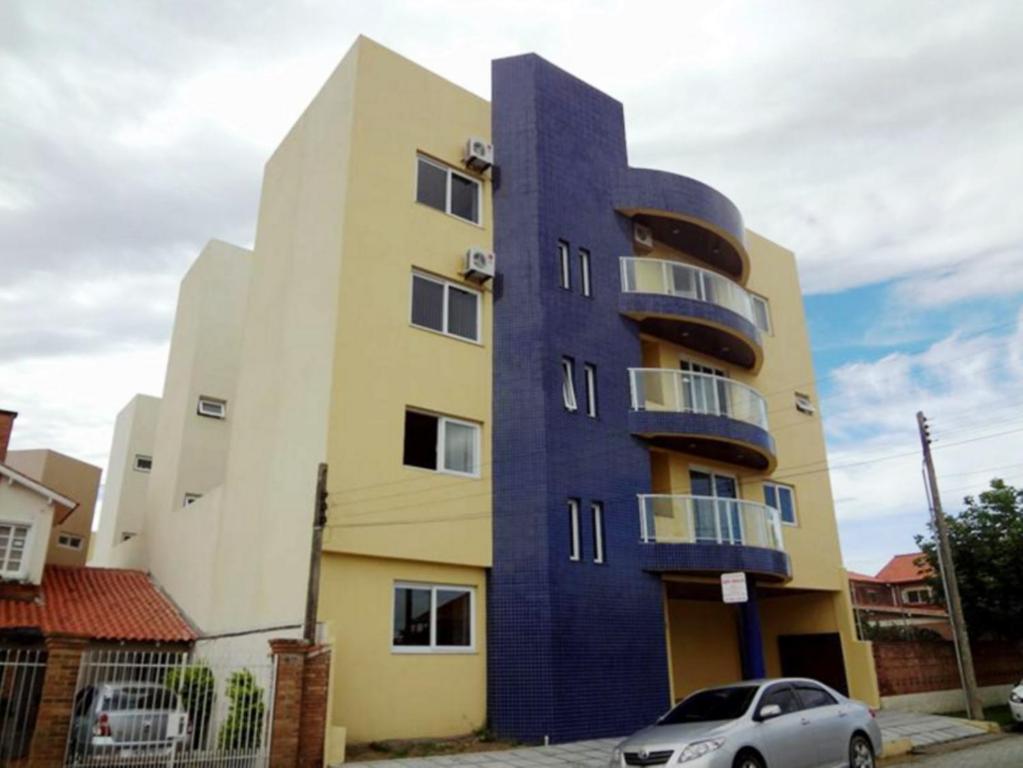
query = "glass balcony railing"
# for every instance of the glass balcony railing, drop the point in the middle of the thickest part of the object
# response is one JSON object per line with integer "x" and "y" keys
{"x": 675, "y": 519}
{"x": 672, "y": 278}
{"x": 666, "y": 389}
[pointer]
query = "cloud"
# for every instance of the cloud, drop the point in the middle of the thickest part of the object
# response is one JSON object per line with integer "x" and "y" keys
{"x": 971, "y": 390}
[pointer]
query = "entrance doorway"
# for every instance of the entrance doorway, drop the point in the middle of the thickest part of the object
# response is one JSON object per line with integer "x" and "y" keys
{"x": 816, "y": 656}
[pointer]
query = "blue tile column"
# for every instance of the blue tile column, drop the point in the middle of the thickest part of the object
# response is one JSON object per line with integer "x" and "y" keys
{"x": 752, "y": 639}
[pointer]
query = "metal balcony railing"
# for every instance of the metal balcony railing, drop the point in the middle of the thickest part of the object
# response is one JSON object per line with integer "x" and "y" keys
{"x": 672, "y": 278}
{"x": 667, "y": 389}
{"x": 680, "y": 519}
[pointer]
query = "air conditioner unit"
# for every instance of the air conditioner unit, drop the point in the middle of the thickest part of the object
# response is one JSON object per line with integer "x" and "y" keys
{"x": 642, "y": 237}
{"x": 479, "y": 265}
{"x": 479, "y": 155}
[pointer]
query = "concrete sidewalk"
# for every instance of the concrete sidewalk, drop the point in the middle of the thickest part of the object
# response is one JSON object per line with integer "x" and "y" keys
{"x": 900, "y": 730}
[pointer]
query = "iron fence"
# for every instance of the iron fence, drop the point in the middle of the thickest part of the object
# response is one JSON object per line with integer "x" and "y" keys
{"x": 21, "y": 683}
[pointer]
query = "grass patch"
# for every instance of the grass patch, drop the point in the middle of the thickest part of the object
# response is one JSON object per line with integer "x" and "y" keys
{"x": 999, "y": 714}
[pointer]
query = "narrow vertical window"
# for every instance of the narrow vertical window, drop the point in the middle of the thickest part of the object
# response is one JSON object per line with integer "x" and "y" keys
{"x": 590, "y": 372}
{"x": 568, "y": 384}
{"x": 584, "y": 272}
{"x": 575, "y": 546}
{"x": 564, "y": 266}
{"x": 597, "y": 509}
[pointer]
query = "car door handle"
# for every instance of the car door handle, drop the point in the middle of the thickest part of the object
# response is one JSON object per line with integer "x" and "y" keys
{"x": 843, "y": 713}
{"x": 805, "y": 721}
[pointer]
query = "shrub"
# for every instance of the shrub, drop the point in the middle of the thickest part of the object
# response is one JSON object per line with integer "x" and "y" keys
{"x": 243, "y": 728}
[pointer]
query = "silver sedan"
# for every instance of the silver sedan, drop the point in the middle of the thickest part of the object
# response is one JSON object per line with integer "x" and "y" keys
{"x": 781, "y": 723}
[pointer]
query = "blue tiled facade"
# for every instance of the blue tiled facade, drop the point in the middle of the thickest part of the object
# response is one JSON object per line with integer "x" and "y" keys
{"x": 576, "y": 649}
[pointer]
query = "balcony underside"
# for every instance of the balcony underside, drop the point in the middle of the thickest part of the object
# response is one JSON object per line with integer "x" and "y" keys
{"x": 687, "y": 215}
{"x": 698, "y": 325}
{"x": 715, "y": 559}
{"x": 718, "y": 438}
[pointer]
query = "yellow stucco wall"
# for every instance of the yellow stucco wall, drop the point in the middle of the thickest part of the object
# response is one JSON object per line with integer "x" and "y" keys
{"x": 703, "y": 645}
{"x": 379, "y": 694}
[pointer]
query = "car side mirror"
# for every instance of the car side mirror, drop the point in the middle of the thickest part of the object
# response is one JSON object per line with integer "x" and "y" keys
{"x": 768, "y": 711}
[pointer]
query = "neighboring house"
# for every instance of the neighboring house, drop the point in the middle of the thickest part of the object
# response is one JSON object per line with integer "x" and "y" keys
{"x": 899, "y": 595}
{"x": 535, "y": 482}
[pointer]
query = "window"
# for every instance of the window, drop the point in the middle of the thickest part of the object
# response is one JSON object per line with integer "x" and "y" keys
{"x": 13, "y": 545}
{"x": 564, "y": 266}
{"x": 212, "y": 407}
{"x": 190, "y": 499}
{"x": 568, "y": 384}
{"x": 575, "y": 543}
{"x": 783, "y": 696}
{"x": 804, "y": 404}
{"x": 443, "y": 188}
{"x": 584, "y": 272}
{"x": 590, "y": 372}
{"x": 69, "y": 541}
{"x": 433, "y": 618}
{"x": 445, "y": 307}
{"x": 813, "y": 696}
{"x": 597, "y": 510}
{"x": 782, "y": 498}
{"x": 441, "y": 443}
{"x": 917, "y": 596}
{"x": 761, "y": 313}
{"x": 143, "y": 463}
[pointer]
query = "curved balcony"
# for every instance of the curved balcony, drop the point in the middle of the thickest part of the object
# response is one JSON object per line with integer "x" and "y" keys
{"x": 687, "y": 215}
{"x": 693, "y": 307}
{"x": 702, "y": 414}
{"x": 708, "y": 534}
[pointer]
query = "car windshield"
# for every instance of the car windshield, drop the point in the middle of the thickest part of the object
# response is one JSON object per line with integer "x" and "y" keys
{"x": 121, "y": 699}
{"x": 714, "y": 704}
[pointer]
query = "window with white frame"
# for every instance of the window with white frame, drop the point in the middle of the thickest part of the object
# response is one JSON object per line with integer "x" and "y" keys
{"x": 442, "y": 306}
{"x": 143, "y": 463}
{"x": 568, "y": 384}
{"x": 190, "y": 499}
{"x": 212, "y": 407}
{"x": 433, "y": 618}
{"x": 783, "y": 498}
{"x": 13, "y": 549}
{"x": 564, "y": 265}
{"x": 590, "y": 375}
{"x": 70, "y": 541}
{"x": 597, "y": 512}
{"x": 918, "y": 596}
{"x": 574, "y": 532}
{"x": 584, "y": 272}
{"x": 761, "y": 312}
{"x": 447, "y": 190}
{"x": 441, "y": 443}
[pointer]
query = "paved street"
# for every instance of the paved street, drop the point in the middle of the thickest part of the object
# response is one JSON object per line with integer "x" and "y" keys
{"x": 1005, "y": 752}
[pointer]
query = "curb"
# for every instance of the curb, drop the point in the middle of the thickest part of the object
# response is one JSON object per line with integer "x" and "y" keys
{"x": 896, "y": 748}
{"x": 985, "y": 725}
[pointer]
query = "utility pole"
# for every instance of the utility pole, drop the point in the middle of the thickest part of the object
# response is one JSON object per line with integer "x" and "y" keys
{"x": 312, "y": 599}
{"x": 974, "y": 706}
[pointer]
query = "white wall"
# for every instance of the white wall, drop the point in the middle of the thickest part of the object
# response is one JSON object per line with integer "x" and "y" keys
{"x": 124, "y": 492}
{"x": 942, "y": 702}
{"x": 23, "y": 506}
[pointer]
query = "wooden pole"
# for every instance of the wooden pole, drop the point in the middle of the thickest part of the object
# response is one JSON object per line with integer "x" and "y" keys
{"x": 974, "y": 706}
{"x": 312, "y": 599}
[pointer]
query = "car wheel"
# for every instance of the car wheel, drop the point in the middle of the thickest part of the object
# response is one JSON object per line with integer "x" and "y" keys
{"x": 748, "y": 760}
{"x": 861, "y": 753}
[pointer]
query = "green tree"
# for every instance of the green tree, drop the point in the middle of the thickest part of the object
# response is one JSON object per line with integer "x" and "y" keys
{"x": 986, "y": 539}
{"x": 196, "y": 686}
{"x": 243, "y": 728}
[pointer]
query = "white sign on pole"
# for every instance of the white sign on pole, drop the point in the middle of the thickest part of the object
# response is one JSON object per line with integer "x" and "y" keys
{"x": 733, "y": 588}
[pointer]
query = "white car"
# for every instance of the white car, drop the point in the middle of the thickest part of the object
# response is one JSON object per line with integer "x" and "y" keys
{"x": 1016, "y": 703}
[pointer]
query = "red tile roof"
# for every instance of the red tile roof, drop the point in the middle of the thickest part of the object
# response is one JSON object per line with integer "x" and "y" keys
{"x": 854, "y": 576}
{"x": 903, "y": 568}
{"x": 101, "y": 604}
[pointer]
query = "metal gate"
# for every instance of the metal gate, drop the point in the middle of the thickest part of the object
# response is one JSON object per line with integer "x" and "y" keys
{"x": 21, "y": 683}
{"x": 158, "y": 708}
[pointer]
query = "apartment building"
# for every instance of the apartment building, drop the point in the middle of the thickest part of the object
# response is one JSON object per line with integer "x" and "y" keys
{"x": 536, "y": 480}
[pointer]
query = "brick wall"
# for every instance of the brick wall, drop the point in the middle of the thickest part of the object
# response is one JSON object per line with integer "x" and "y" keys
{"x": 920, "y": 667}
{"x": 6, "y": 427}
{"x": 298, "y": 730}
{"x": 50, "y": 738}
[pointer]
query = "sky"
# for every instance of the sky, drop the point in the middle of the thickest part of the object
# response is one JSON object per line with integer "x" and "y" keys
{"x": 880, "y": 141}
